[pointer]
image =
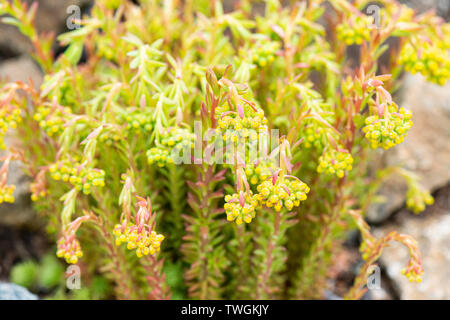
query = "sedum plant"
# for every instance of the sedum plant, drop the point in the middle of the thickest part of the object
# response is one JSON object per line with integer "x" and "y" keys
{"x": 183, "y": 151}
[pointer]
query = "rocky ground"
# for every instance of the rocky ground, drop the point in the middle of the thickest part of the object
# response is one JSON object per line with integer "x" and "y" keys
{"x": 426, "y": 151}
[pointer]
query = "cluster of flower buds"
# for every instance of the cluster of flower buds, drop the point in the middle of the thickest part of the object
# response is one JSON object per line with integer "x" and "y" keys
{"x": 6, "y": 193}
{"x": 51, "y": 119}
{"x": 159, "y": 156}
{"x": 82, "y": 178}
{"x": 417, "y": 199}
{"x": 177, "y": 138}
{"x": 432, "y": 61}
{"x": 69, "y": 248}
{"x": 38, "y": 187}
{"x": 173, "y": 140}
{"x": 313, "y": 137}
{"x": 356, "y": 30}
{"x": 388, "y": 130}
{"x": 142, "y": 239}
{"x": 335, "y": 162}
{"x": 9, "y": 118}
{"x": 282, "y": 192}
{"x": 257, "y": 173}
{"x": 104, "y": 49}
{"x": 241, "y": 207}
{"x": 138, "y": 121}
{"x": 413, "y": 272}
{"x": 36, "y": 194}
{"x": 141, "y": 234}
{"x": 248, "y": 124}
{"x": 108, "y": 137}
{"x": 264, "y": 52}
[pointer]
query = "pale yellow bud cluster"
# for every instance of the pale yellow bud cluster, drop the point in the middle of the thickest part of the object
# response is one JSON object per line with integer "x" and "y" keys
{"x": 313, "y": 137}
{"x": 138, "y": 122}
{"x": 234, "y": 127}
{"x": 173, "y": 140}
{"x": 285, "y": 193}
{"x": 356, "y": 30}
{"x": 177, "y": 138}
{"x": 413, "y": 272}
{"x": 417, "y": 199}
{"x": 159, "y": 156}
{"x": 69, "y": 248}
{"x": 52, "y": 120}
{"x": 256, "y": 174}
{"x": 9, "y": 118}
{"x": 432, "y": 61}
{"x": 109, "y": 137}
{"x": 241, "y": 208}
{"x": 389, "y": 130}
{"x": 144, "y": 241}
{"x": 264, "y": 53}
{"x": 82, "y": 178}
{"x": 6, "y": 193}
{"x": 36, "y": 193}
{"x": 335, "y": 162}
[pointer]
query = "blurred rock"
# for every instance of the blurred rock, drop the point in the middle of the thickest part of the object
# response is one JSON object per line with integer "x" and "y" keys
{"x": 328, "y": 295}
{"x": 12, "y": 42}
{"x": 442, "y": 7}
{"x": 21, "y": 69}
{"x": 50, "y": 17}
{"x": 379, "y": 294}
{"x": 431, "y": 229}
{"x": 21, "y": 244}
{"x": 426, "y": 148}
{"x": 342, "y": 271}
{"x": 9, "y": 291}
{"x": 20, "y": 212}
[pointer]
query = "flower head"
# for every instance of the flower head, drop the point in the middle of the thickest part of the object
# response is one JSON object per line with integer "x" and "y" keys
{"x": 6, "y": 193}
{"x": 313, "y": 137}
{"x": 137, "y": 121}
{"x": 245, "y": 123}
{"x": 9, "y": 118}
{"x": 144, "y": 240}
{"x": 241, "y": 207}
{"x": 177, "y": 138}
{"x": 173, "y": 140}
{"x": 430, "y": 60}
{"x": 389, "y": 129}
{"x": 259, "y": 172}
{"x": 140, "y": 234}
{"x": 81, "y": 177}
{"x": 283, "y": 192}
{"x": 356, "y": 30}
{"x": 335, "y": 162}
{"x": 69, "y": 248}
{"x": 52, "y": 119}
{"x": 263, "y": 53}
{"x": 159, "y": 156}
{"x": 417, "y": 199}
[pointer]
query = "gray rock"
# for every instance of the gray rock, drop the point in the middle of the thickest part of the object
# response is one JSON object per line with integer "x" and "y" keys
{"x": 10, "y": 291}
{"x": 442, "y": 7}
{"x": 379, "y": 294}
{"x": 50, "y": 17}
{"x": 20, "y": 212}
{"x": 432, "y": 232}
{"x": 426, "y": 148}
{"x": 21, "y": 69}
